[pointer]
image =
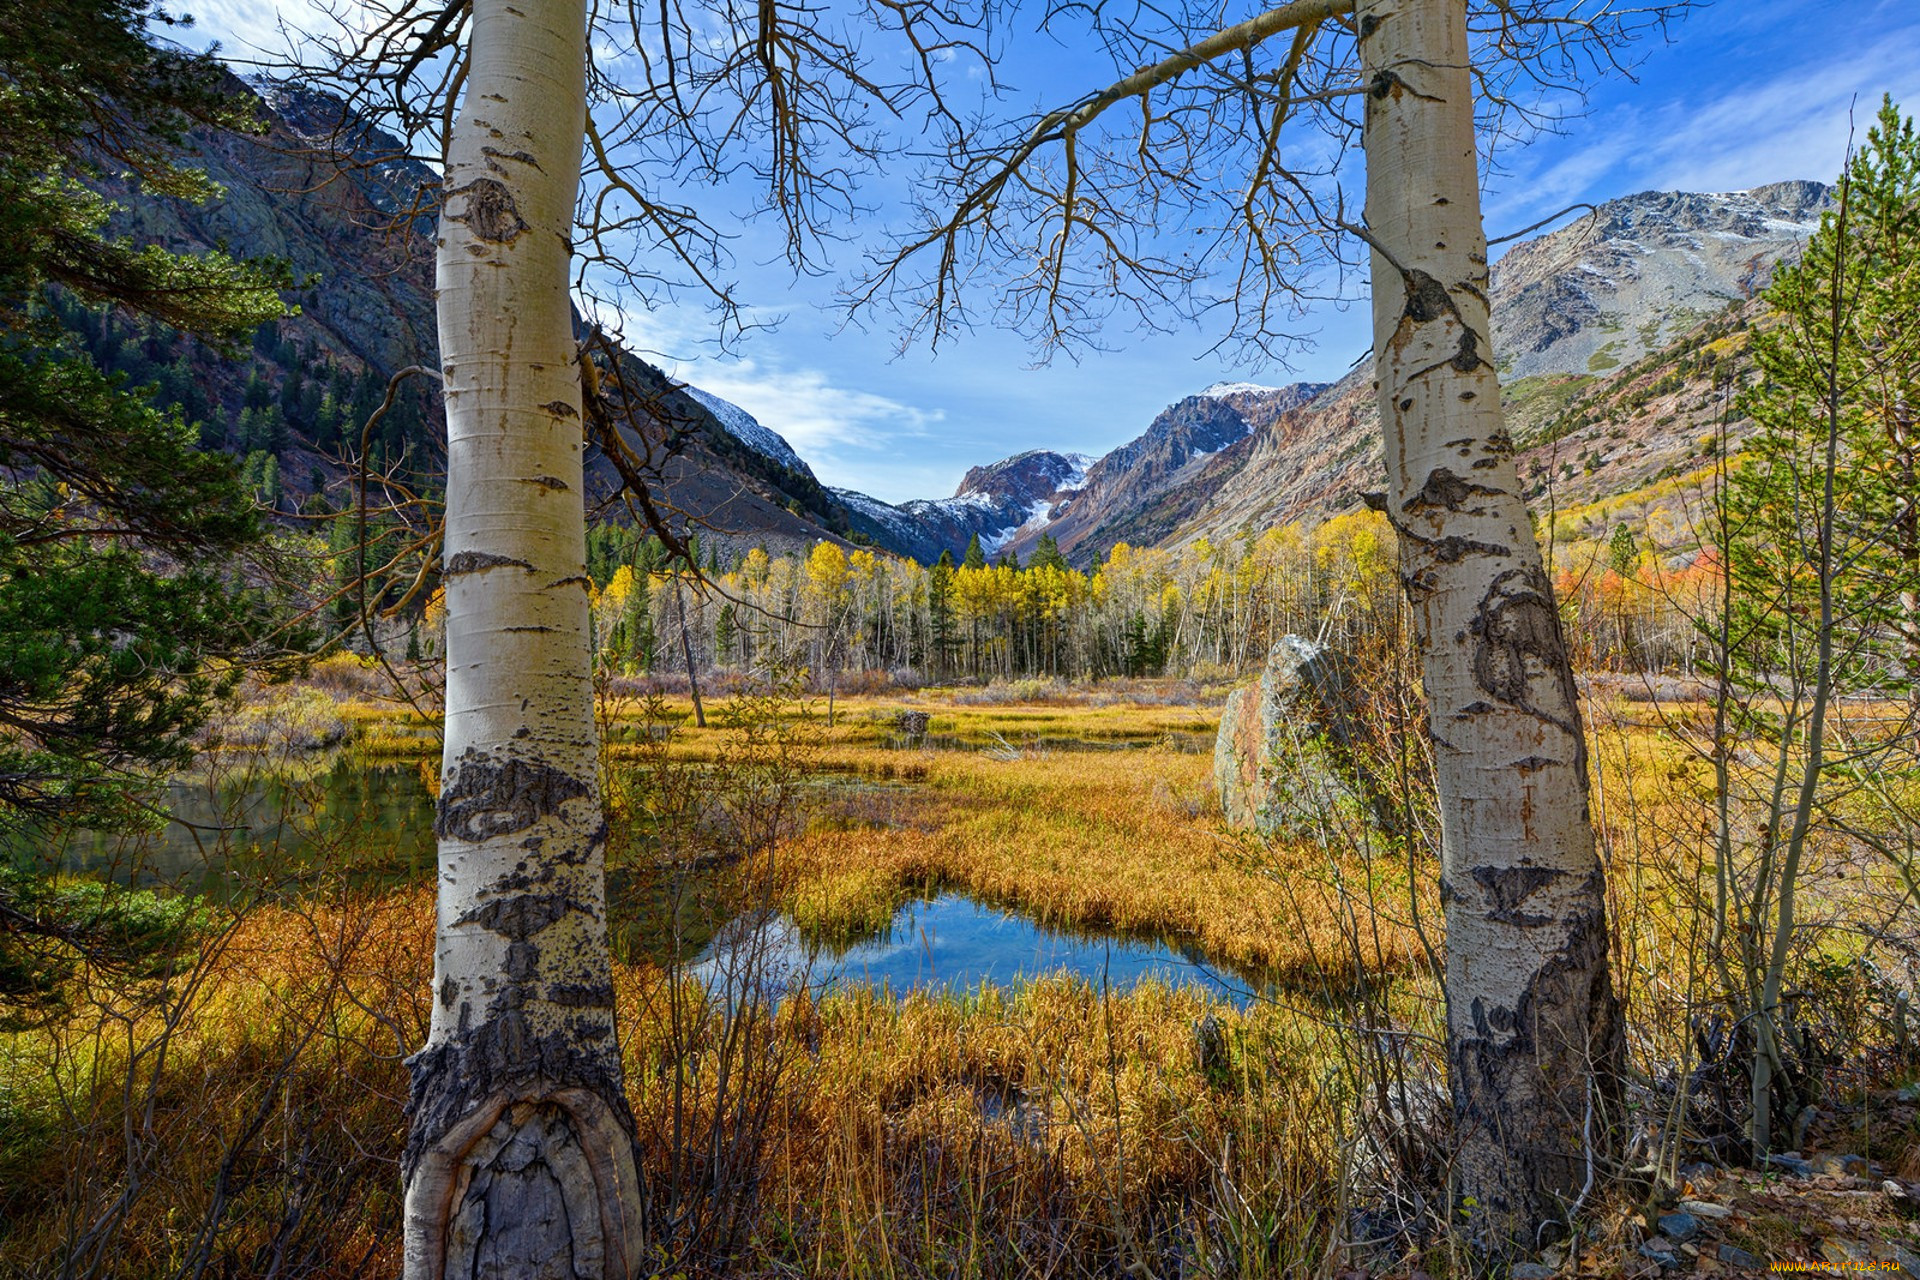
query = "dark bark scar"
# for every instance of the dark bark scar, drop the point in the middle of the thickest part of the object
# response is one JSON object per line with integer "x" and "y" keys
{"x": 490, "y": 211}
{"x": 474, "y": 561}
{"x": 484, "y": 798}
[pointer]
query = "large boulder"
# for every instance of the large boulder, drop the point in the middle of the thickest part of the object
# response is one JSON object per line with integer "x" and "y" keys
{"x": 1286, "y": 761}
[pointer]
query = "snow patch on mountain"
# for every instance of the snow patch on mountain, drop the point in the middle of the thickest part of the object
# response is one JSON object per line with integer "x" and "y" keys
{"x": 1082, "y": 463}
{"x": 1221, "y": 390}
{"x": 746, "y": 428}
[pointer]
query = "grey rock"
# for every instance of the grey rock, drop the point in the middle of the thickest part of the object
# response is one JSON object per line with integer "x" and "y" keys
{"x": 1661, "y": 1250}
{"x": 1706, "y": 1209}
{"x": 1909, "y": 1262}
{"x": 1284, "y": 762}
{"x": 1736, "y": 1257}
{"x": 1792, "y": 1164}
{"x": 1679, "y": 1227}
{"x": 1531, "y": 1271}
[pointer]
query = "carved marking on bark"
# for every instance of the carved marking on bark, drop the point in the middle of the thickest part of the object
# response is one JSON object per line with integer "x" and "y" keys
{"x": 1518, "y": 634}
{"x": 554, "y": 483}
{"x": 1495, "y": 1072}
{"x": 522, "y": 157}
{"x": 483, "y": 798}
{"x": 1508, "y": 887}
{"x": 474, "y": 561}
{"x": 560, "y": 409}
{"x": 490, "y": 212}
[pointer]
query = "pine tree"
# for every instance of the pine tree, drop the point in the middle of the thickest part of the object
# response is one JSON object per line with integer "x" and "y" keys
{"x": 1866, "y": 278}
{"x": 1046, "y": 554}
{"x": 975, "y": 558}
{"x": 107, "y": 664}
{"x": 940, "y": 615}
{"x": 1824, "y": 570}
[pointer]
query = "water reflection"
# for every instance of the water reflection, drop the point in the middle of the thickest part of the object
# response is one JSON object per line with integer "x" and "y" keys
{"x": 950, "y": 942}
{"x": 253, "y": 822}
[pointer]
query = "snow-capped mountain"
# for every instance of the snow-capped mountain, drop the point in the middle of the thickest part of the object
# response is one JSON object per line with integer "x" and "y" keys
{"x": 746, "y": 428}
{"x": 995, "y": 503}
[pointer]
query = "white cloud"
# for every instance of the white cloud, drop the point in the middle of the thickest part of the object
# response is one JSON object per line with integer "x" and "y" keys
{"x": 1794, "y": 126}
{"x": 835, "y": 428}
{"x": 1729, "y": 133}
{"x": 248, "y": 31}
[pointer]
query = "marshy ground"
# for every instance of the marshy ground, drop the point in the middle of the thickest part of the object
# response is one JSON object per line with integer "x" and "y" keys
{"x": 224, "y": 1093}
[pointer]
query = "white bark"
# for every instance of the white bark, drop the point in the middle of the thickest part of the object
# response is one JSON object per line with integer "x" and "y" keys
{"x": 520, "y": 1159}
{"x": 1533, "y": 1028}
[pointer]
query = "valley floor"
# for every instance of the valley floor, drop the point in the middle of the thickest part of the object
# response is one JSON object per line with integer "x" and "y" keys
{"x": 226, "y": 1096}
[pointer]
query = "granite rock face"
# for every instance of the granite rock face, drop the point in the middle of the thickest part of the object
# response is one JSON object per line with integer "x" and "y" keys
{"x": 1285, "y": 761}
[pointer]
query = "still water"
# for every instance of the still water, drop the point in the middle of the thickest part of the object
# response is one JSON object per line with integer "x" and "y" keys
{"x": 256, "y": 825}
{"x": 256, "y": 829}
{"x": 949, "y": 942}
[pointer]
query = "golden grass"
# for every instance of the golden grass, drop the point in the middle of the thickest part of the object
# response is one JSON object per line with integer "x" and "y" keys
{"x": 1128, "y": 841}
{"x": 979, "y": 1134}
{"x": 1047, "y": 1129}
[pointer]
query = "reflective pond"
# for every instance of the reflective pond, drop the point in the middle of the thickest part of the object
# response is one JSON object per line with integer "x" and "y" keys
{"x": 954, "y": 943}
{"x": 372, "y": 821}
{"x": 254, "y": 827}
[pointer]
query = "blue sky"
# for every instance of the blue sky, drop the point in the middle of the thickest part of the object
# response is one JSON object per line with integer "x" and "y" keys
{"x": 1746, "y": 92}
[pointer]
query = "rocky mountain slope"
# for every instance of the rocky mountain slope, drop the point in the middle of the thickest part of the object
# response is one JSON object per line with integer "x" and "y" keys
{"x": 336, "y": 204}
{"x": 1085, "y": 504}
{"x": 1609, "y": 331}
{"x": 1639, "y": 272}
{"x": 1613, "y": 335}
{"x": 992, "y": 503}
{"x": 1591, "y": 322}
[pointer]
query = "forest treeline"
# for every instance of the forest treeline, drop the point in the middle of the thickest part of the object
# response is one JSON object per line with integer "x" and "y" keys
{"x": 1203, "y": 609}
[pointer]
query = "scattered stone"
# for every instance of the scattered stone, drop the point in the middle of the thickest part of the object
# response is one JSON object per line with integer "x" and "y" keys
{"x": 1706, "y": 1209}
{"x": 1900, "y": 1198}
{"x": 1210, "y": 1044}
{"x": 1734, "y": 1257}
{"x": 1792, "y": 1164}
{"x": 1532, "y": 1271}
{"x": 1679, "y": 1227}
{"x": 1843, "y": 1166}
{"x": 1909, "y": 1261}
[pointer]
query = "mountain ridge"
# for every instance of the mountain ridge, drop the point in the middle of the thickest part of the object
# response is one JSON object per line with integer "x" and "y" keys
{"x": 1575, "y": 311}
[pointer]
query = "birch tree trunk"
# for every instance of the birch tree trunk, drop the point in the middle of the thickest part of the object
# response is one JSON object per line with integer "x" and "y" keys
{"x": 519, "y": 1160}
{"x": 1533, "y": 1030}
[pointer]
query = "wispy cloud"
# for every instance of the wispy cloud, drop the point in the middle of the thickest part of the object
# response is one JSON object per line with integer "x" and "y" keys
{"x": 1794, "y": 126}
{"x": 851, "y": 438}
{"x": 1762, "y": 117}
{"x": 248, "y": 30}
{"x": 815, "y": 414}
